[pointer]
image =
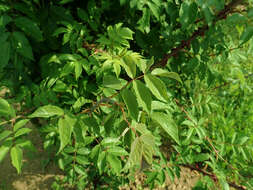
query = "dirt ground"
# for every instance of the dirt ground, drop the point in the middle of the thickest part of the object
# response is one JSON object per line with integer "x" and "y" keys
{"x": 33, "y": 176}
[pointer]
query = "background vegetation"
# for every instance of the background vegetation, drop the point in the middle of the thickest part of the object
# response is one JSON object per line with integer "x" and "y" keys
{"x": 130, "y": 86}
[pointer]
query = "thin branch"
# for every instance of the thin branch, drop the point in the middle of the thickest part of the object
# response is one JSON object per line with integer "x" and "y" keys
{"x": 199, "y": 32}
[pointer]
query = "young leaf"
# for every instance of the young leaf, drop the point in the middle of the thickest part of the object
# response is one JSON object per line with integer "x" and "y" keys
{"x": 167, "y": 123}
{"x": 165, "y": 73}
{"x": 65, "y": 128}
{"x": 47, "y": 111}
{"x": 143, "y": 95}
{"x": 131, "y": 103}
{"x": 156, "y": 86}
{"x": 16, "y": 158}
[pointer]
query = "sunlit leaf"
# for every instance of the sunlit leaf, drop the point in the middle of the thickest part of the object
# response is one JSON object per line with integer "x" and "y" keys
{"x": 47, "y": 111}
{"x": 167, "y": 123}
{"x": 16, "y": 158}
{"x": 156, "y": 86}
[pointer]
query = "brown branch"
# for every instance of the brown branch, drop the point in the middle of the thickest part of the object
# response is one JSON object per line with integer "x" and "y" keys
{"x": 199, "y": 32}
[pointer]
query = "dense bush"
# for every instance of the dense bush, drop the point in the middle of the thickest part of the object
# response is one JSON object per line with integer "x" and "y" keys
{"x": 130, "y": 86}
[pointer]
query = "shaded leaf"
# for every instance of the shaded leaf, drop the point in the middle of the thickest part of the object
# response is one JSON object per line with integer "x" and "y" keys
{"x": 131, "y": 103}
{"x": 22, "y": 45}
{"x": 29, "y": 27}
{"x": 4, "y": 54}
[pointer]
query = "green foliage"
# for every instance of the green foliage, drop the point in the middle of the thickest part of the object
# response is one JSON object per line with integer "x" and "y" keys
{"x": 117, "y": 82}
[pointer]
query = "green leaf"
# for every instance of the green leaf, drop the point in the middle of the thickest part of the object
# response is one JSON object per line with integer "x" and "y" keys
{"x": 47, "y": 111}
{"x": 148, "y": 142}
{"x": 80, "y": 170}
{"x": 16, "y": 158}
{"x": 188, "y": 13}
{"x": 117, "y": 68}
{"x": 117, "y": 151}
{"x": 131, "y": 103}
{"x": 114, "y": 162}
{"x": 83, "y": 160}
{"x": 22, "y": 131}
{"x": 82, "y": 15}
{"x": 156, "y": 86}
{"x": 20, "y": 124}
{"x": 101, "y": 163}
{"x": 6, "y": 109}
{"x": 22, "y": 45}
{"x": 165, "y": 73}
{"x": 3, "y": 151}
{"x": 142, "y": 128}
{"x": 143, "y": 95}
{"x": 78, "y": 69}
{"x": 29, "y": 27}
{"x": 135, "y": 156}
{"x": 4, "y": 54}
{"x": 144, "y": 22}
{"x": 68, "y": 68}
{"x": 154, "y": 9}
{"x": 114, "y": 83}
{"x": 59, "y": 30}
{"x": 250, "y": 12}
{"x": 110, "y": 141}
{"x": 65, "y": 128}
{"x": 246, "y": 35}
{"x": 167, "y": 123}
{"x": 5, "y": 134}
{"x": 129, "y": 65}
